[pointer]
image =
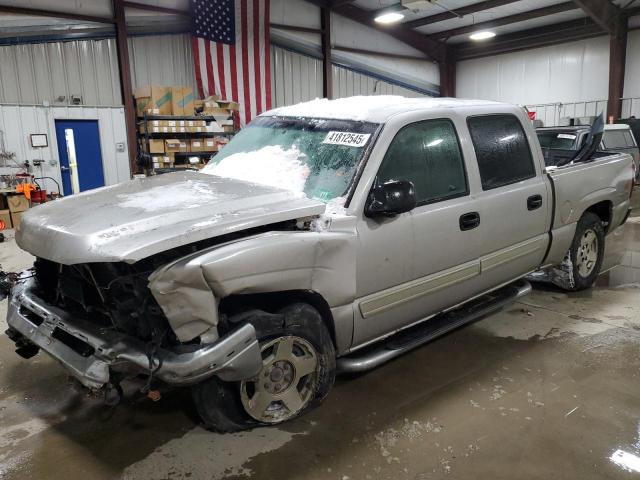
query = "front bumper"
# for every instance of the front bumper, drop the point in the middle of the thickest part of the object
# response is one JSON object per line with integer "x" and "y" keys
{"x": 90, "y": 352}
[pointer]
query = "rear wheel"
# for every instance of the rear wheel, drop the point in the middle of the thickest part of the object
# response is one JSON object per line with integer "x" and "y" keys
{"x": 587, "y": 251}
{"x": 298, "y": 370}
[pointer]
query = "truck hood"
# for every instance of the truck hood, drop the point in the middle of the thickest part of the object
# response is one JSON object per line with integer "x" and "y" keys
{"x": 135, "y": 219}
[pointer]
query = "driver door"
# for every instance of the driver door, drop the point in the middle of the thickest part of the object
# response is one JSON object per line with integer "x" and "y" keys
{"x": 417, "y": 263}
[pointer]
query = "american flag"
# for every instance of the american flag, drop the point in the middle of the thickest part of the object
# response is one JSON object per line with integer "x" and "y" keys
{"x": 230, "y": 42}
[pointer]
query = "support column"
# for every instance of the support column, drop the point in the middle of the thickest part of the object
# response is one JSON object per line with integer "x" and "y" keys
{"x": 327, "y": 75}
{"x": 125, "y": 82}
{"x": 448, "y": 75}
{"x": 617, "y": 63}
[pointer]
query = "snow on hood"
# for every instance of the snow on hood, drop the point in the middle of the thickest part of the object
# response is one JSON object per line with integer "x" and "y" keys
{"x": 142, "y": 217}
{"x": 271, "y": 165}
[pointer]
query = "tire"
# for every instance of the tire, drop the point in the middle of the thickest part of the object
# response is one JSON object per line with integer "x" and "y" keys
{"x": 236, "y": 406}
{"x": 586, "y": 258}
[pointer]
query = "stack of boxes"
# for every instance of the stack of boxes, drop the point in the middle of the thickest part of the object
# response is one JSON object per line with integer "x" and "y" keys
{"x": 195, "y": 136}
{"x": 16, "y": 206}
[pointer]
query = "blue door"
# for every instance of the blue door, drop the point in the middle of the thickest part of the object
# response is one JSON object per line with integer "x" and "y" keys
{"x": 80, "y": 155}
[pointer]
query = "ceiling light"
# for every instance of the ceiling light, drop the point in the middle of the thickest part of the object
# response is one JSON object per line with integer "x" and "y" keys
{"x": 391, "y": 17}
{"x": 483, "y": 35}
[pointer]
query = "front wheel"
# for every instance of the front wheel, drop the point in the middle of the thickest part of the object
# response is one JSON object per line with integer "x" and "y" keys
{"x": 587, "y": 251}
{"x": 298, "y": 370}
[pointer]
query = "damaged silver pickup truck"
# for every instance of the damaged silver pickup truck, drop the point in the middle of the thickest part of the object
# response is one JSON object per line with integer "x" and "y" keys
{"x": 328, "y": 236}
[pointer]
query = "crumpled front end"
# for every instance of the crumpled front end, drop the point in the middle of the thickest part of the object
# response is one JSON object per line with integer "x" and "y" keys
{"x": 91, "y": 352}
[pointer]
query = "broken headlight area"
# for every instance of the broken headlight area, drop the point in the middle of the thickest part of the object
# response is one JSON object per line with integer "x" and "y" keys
{"x": 112, "y": 295}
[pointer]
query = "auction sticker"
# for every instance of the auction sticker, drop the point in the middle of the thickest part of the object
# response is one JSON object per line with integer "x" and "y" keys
{"x": 347, "y": 139}
{"x": 567, "y": 136}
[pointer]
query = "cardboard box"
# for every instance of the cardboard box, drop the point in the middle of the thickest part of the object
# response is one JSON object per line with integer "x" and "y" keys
{"x": 182, "y": 100}
{"x": 228, "y": 128}
{"x": 153, "y": 97}
{"x": 171, "y": 146}
{"x": 209, "y": 145}
{"x": 185, "y": 145}
{"x": 229, "y": 105}
{"x": 17, "y": 203}
{"x": 218, "y": 112}
{"x": 197, "y": 145}
{"x": 16, "y": 218}
{"x": 5, "y": 218}
{"x": 156, "y": 146}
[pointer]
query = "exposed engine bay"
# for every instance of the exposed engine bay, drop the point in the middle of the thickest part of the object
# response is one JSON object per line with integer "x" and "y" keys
{"x": 117, "y": 295}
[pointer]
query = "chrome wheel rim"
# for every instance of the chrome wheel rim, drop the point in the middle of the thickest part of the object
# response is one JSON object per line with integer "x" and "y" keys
{"x": 286, "y": 382}
{"x": 587, "y": 255}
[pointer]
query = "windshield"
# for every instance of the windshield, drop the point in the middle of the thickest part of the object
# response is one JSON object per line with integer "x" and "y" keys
{"x": 314, "y": 156}
{"x": 558, "y": 140}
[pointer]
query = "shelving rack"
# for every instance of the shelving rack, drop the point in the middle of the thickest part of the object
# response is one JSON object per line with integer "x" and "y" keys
{"x": 147, "y": 135}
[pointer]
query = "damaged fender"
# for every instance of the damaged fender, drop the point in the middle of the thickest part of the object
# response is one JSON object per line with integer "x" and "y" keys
{"x": 189, "y": 289}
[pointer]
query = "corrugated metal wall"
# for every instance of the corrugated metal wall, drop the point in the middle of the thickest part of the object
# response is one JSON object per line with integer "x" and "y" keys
{"x": 568, "y": 73}
{"x": 17, "y": 123}
{"x": 297, "y": 78}
{"x": 35, "y": 73}
{"x": 347, "y": 82}
{"x": 162, "y": 60}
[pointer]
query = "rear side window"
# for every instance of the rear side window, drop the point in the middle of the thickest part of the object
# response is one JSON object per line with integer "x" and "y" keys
{"x": 616, "y": 139}
{"x": 502, "y": 150}
{"x": 428, "y": 155}
{"x": 630, "y": 140}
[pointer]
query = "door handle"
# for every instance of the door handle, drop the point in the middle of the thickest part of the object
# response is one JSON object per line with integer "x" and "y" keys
{"x": 534, "y": 201}
{"x": 469, "y": 221}
{"x": 64, "y": 169}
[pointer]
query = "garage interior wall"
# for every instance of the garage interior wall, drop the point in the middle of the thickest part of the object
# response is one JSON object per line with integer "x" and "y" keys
{"x": 43, "y": 80}
{"x": 297, "y": 78}
{"x": 18, "y": 122}
{"x": 567, "y": 80}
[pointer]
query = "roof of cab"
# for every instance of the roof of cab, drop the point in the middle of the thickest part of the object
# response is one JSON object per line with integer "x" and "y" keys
{"x": 375, "y": 108}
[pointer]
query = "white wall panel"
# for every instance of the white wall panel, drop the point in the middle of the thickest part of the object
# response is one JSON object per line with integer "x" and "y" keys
{"x": 297, "y": 78}
{"x": 571, "y": 72}
{"x": 18, "y": 122}
{"x": 347, "y": 83}
{"x": 632, "y": 71}
{"x": 35, "y": 73}
{"x": 162, "y": 60}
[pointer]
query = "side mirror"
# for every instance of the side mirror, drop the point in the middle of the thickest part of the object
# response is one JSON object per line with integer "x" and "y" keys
{"x": 390, "y": 198}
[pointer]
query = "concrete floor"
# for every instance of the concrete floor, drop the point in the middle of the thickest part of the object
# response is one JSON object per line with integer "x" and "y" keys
{"x": 547, "y": 388}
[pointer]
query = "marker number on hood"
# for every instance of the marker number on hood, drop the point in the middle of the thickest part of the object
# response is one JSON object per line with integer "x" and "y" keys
{"x": 347, "y": 138}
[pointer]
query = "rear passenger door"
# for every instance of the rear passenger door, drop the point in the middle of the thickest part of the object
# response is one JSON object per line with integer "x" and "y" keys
{"x": 515, "y": 202}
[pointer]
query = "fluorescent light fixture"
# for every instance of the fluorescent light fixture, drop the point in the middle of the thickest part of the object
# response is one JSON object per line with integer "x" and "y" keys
{"x": 482, "y": 35}
{"x": 391, "y": 17}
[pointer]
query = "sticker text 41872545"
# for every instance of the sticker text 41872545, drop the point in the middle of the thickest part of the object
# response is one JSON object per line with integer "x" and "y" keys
{"x": 348, "y": 139}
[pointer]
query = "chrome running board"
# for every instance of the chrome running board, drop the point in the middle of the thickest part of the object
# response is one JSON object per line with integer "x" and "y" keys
{"x": 435, "y": 327}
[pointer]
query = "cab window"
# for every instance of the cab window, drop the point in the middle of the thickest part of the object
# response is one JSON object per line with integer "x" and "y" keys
{"x": 502, "y": 150}
{"x": 427, "y": 154}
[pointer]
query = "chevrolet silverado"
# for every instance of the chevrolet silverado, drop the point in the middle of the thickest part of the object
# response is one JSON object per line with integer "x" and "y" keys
{"x": 329, "y": 236}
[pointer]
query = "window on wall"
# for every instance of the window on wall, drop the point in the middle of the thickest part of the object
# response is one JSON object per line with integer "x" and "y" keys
{"x": 428, "y": 154}
{"x": 502, "y": 150}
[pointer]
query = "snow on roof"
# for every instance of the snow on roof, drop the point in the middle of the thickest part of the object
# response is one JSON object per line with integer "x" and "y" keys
{"x": 375, "y": 108}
